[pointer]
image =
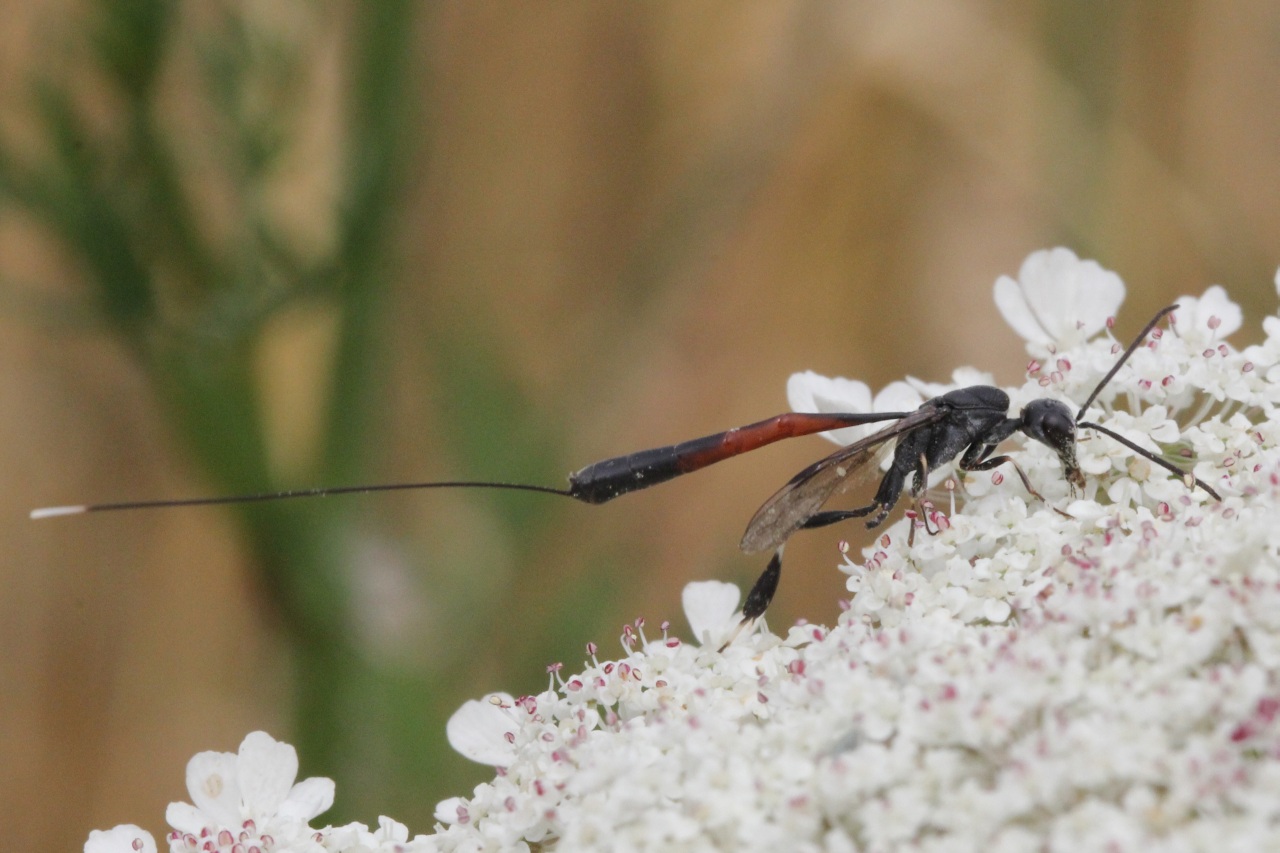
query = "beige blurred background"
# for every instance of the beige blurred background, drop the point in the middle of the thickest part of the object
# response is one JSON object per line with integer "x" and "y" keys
{"x": 640, "y": 218}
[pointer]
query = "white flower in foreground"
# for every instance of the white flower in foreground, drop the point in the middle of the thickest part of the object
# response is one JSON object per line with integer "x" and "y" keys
{"x": 1059, "y": 299}
{"x": 243, "y": 798}
{"x": 125, "y": 838}
{"x": 247, "y": 802}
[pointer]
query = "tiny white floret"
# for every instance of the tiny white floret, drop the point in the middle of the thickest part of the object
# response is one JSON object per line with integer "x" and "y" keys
{"x": 1208, "y": 318}
{"x": 710, "y": 607}
{"x": 481, "y": 730}
{"x": 125, "y": 838}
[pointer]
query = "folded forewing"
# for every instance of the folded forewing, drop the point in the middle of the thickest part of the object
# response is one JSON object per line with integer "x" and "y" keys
{"x": 806, "y": 492}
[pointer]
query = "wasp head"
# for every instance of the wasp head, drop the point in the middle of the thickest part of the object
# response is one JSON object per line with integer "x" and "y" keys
{"x": 1050, "y": 422}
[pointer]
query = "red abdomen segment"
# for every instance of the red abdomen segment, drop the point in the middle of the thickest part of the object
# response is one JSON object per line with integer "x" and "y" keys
{"x": 604, "y": 481}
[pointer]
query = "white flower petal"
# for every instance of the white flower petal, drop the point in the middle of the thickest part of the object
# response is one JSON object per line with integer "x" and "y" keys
{"x": 391, "y": 830}
{"x": 185, "y": 817}
{"x": 710, "y": 606}
{"x": 812, "y": 392}
{"x": 214, "y": 787}
{"x": 928, "y": 390}
{"x": 1271, "y": 325}
{"x": 447, "y": 810}
{"x": 963, "y": 377}
{"x": 266, "y": 769}
{"x": 996, "y": 610}
{"x": 125, "y": 838}
{"x": 479, "y": 731}
{"x": 307, "y": 799}
{"x": 1013, "y": 305}
{"x": 898, "y": 396}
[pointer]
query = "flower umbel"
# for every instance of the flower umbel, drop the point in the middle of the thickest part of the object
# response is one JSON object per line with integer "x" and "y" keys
{"x": 1109, "y": 679}
{"x": 1019, "y": 679}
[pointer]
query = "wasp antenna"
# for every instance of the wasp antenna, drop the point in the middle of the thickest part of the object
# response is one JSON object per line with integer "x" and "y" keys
{"x": 1137, "y": 342}
{"x": 1187, "y": 477}
{"x": 54, "y": 511}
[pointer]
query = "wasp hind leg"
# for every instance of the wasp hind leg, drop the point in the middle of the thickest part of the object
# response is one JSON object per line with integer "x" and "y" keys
{"x": 760, "y": 596}
{"x": 833, "y": 516}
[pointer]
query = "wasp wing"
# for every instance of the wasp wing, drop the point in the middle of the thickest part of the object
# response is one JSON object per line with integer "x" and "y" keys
{"x": 806, "y": 492}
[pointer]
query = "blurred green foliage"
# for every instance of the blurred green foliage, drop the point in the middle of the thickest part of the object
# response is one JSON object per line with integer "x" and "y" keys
{"x": 190, "y": 293}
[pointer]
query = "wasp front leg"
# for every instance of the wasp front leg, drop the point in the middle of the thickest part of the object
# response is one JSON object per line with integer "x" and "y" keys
{"x": 918, "y": 486}
{"x": 978, "y": 458}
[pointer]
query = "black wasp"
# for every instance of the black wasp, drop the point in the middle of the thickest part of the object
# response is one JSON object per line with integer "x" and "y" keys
{"x": 967, "y": 423}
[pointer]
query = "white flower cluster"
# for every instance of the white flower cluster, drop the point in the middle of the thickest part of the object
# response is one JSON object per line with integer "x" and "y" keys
{"x": 1108, "y": 679}
{"x": 247, "y": 802}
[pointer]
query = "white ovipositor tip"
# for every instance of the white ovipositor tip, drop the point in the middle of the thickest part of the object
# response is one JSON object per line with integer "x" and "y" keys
{"x": 51, "y": 511}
